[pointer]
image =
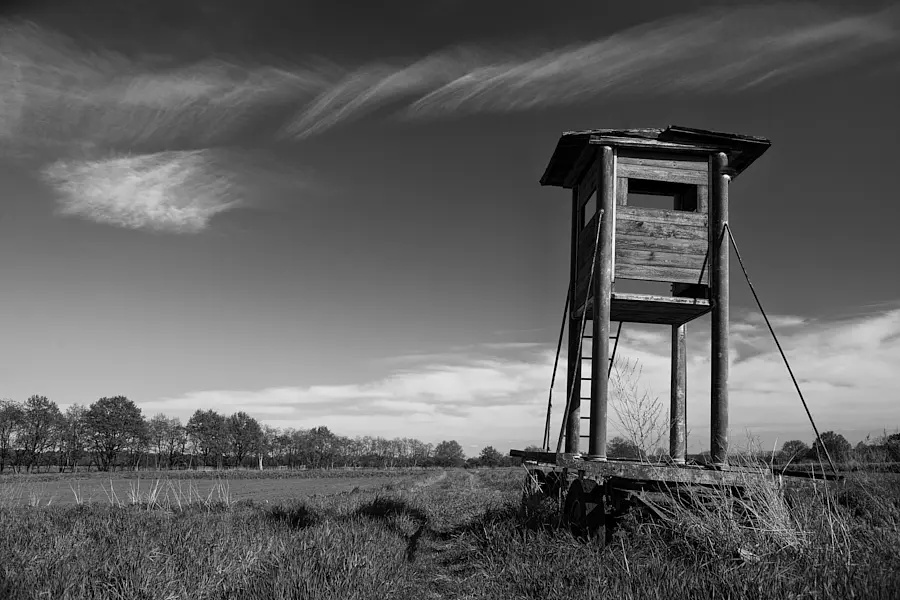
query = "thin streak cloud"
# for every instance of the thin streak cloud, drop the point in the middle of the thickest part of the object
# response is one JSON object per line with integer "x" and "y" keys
{"x": 707, "y": 52}
{"x": 67, "y": 105}
{"x": 58, "y": 95}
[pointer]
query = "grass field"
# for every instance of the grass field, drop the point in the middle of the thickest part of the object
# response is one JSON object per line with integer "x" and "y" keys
{"x": 167, "y": 488}
{"x": 448, "y": 534}
{"x": 165, "y": 491}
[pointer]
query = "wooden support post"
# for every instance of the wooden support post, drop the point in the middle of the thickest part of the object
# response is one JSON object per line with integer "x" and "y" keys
{"x": 678, "y": 409}
{"x": 602, "y": 285}
{"x": 719, "y": 294}
{"x": 573, "y": 369}
{"x": 621, "y": 191}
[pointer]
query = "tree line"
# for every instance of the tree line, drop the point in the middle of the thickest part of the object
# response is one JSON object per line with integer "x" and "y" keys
{"x": 112, "y": 433}
{"x": 881, "y": 449}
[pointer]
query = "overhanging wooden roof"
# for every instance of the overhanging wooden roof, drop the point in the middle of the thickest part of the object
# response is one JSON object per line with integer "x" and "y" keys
{"x": 576, "y": 148}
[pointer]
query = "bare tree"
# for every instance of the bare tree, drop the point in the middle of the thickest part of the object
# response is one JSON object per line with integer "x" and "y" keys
{"x": 640, "y": 416}
{"x": 175, "y": 442}
{"x": 73, "y": 437}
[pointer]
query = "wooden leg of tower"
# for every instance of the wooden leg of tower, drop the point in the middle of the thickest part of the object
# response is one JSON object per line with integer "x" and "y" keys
{"x": 602, "y": 284}
{"x": 719, "y": 294}
{"x": 678, "y": 412}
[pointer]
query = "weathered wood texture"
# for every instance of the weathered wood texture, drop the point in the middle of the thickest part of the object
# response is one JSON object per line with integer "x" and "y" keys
{"x": 622, "y": 191}
{"x": 658, "y": 145}
{"x": 678, "y": 393}
{"x": 661, "y": 167}
{"x": 719, "y": 319}
{"x": 648, "y": 308}
{"x": 651, "y": 245}
{"x": 703, "y": 198}
{"x": 606, "y": 190}
{"x": 643, "y": 158}
{"x": 673, "y": 474}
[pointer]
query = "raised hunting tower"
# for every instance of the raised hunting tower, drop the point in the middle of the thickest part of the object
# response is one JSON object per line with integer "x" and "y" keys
{"x": 683, "y": 245}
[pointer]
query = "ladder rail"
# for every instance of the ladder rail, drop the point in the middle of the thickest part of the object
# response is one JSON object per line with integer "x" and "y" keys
{"x": 587, "y": 295}
{"x": 553, "y": 377}
{"x": 612, "y": 358}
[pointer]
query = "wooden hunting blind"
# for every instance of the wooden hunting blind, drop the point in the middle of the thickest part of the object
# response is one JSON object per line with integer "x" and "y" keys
{"x": 682, "y": 245}
{"x": 614, "y": 239}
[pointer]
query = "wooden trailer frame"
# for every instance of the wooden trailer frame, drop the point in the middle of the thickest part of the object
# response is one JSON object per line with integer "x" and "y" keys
{"x": 597, "y": 494}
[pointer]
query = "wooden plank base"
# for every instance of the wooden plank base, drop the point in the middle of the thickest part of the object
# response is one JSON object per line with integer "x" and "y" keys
{"x": 648, "y": 308}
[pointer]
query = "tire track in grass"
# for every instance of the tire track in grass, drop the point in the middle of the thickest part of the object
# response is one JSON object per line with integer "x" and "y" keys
{"x": 445, "y": 560}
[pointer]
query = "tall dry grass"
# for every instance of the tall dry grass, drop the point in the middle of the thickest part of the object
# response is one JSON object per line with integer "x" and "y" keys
{"x": 459, "y": 534}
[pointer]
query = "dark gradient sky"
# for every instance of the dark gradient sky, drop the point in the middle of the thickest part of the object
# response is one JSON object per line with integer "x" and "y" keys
{"x": 388, "y": 234}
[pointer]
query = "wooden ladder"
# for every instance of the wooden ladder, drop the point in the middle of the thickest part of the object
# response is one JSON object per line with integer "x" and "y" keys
{"x": 585, "y": 414}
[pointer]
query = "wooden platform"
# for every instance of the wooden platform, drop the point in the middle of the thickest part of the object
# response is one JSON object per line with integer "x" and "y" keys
{"x": 662, "y": 473}
{"x": 647, "y": 308}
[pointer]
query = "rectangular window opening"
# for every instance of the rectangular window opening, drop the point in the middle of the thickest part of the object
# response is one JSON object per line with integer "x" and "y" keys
{"x": 590, "y": 209}
{"x": 662, "y": 195}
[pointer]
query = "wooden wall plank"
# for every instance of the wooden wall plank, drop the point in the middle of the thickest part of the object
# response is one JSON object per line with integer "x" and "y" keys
{"x": 652, "y": 258}
{"x": 661, "y": 215}
{"x": 626, "y": 227}
{"x": 668, "y": 175}
{"x": 664, "y": 161}
{"x": 663, "y": 244}
{"x": 656, "y": 237}
{"x": 657, "y": 258}
{"x": 657, "y": 273}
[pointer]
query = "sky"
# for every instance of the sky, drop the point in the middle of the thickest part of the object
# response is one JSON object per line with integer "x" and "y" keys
{"x": 327, "y": 213}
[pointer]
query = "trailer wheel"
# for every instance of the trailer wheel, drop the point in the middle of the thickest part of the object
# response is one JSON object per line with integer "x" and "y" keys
{"x": 585, "y": 510}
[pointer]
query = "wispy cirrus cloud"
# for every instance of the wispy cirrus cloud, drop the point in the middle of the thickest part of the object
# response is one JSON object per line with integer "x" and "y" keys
{"x": 846, "y": 368}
